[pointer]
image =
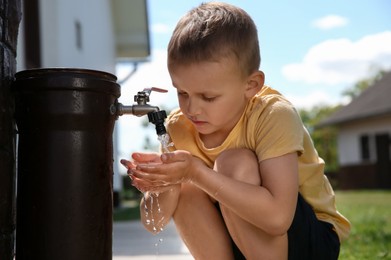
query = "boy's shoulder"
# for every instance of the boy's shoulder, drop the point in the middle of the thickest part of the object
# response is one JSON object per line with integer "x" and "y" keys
{"x": 174, "y": 116}
{"x": 269, "y": 100}
{"x": 176, "y": 120}
{"x": 271, "y": 110}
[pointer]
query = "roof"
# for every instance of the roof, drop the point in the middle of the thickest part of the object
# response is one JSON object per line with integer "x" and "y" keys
{"x": 373, "y": 102}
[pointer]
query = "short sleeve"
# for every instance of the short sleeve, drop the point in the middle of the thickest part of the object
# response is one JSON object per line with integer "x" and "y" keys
{"x": 278, "y": 130}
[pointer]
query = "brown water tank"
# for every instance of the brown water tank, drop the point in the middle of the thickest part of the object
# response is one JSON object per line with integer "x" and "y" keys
{"x": 65, "y": 121}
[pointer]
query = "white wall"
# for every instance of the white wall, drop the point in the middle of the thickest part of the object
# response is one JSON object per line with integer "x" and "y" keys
{"x": 349, "y": 139}
{"x": 59, "y": 34}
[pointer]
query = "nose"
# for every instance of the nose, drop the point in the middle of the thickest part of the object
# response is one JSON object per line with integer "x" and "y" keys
{"x": 192, "y": 107}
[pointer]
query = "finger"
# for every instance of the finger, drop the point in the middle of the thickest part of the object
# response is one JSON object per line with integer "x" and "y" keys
{"x": 155, "y": 180}
{"x": 177, "y": 156}
{"x": 126, "y": 163}
{"x": 151, "y": 167}
{"x": 141, "y": 174}
{"x": 146, "y": 157}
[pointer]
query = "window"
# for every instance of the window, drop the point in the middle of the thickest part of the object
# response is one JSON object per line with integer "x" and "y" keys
{"x": 79, "y": 44}
{"x": 364, "y": 144}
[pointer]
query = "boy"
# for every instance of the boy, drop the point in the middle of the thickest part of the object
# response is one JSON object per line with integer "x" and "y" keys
{"x": 243, "y": 180}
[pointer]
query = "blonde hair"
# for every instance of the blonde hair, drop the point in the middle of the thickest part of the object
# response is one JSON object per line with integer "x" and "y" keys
{"x": 213, "y": 31}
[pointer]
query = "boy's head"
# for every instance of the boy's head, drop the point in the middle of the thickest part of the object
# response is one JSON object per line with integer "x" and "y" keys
{"x": 213, "y": 31}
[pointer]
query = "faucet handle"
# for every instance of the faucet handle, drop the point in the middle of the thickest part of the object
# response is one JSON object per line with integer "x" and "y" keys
{"x": 142, "y": 97}
{"x": 149, "y": 90}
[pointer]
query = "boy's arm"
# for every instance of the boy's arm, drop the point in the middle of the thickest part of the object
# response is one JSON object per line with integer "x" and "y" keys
{"x": 271, "y": 206}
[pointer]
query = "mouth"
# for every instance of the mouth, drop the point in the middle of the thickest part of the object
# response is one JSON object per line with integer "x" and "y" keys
{"x": 196, "y": 122}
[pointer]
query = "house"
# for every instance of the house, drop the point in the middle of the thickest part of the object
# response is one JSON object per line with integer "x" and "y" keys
{"x": 91, "y": 34}
{"x": 364, "y": 138}
{"x": 88, "y": 34}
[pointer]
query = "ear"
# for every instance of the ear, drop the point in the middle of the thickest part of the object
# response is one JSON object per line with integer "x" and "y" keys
{"x": 255, "y": 83}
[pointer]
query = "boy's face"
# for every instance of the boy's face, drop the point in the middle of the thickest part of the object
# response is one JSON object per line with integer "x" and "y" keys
{"x": 212, "y": 95}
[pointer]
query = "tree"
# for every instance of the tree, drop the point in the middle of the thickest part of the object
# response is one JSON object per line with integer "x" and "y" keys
{"x": 325, "y": 139}
{"x": 362, "y": 85}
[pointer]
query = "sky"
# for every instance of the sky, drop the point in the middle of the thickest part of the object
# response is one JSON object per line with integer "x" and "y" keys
{"x": 311, "y": 51}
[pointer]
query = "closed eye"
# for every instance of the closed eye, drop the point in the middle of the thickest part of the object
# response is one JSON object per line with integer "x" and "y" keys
{"x": 204, "y": 97}
{"x": 208, "y": 99}
{"x": 183, "y": 94}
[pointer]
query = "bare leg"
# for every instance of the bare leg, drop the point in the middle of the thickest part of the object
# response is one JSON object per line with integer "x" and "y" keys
{"x": 252, "y": 241}
{"x": 201, "y": 226}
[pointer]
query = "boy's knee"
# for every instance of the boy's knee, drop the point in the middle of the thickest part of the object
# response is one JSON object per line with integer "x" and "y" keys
{"x": 238, "y": 157}
{"x": 191, "y": 197}
{"x": 191, "y": 193}
{"x": 240, "y": 164}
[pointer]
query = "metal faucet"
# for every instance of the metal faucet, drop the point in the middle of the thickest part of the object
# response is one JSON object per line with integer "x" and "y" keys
{"x": 155, "y": 115}
{"x": 141, "y": 108}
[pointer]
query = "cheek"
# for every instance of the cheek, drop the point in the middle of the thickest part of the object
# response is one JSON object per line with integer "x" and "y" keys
{"x": 182, "y": 104}
{"x": 217, "y": 112}
{"x": 224, "y": 112}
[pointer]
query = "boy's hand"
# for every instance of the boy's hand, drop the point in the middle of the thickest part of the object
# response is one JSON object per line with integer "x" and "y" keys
{"x": 140, "y": 158}
{"x": 172, "y": 169}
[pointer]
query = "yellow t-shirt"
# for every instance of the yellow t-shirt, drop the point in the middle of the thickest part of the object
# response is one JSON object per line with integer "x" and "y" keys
{"x": 270, "y": 126}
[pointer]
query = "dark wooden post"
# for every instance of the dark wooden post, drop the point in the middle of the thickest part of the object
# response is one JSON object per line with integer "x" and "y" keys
{"x": 10, "y": 15}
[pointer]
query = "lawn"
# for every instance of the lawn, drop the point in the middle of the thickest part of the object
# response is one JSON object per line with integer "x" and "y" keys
{"x": 368, "y": 211}
{"x": 370, "y": 215}
{"x": 129, "y": 210}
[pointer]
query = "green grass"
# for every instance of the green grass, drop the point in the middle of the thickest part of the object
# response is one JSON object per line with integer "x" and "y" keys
{"x": 370, "y": 215}
{"x": 128, "y": 211}
{"x": 368, "y": 211}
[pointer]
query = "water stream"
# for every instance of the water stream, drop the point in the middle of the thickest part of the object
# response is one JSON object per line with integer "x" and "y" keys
{"x": 165, "y": 143}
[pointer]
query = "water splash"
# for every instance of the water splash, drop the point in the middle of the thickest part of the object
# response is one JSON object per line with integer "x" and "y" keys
{"x": 165, "y": 142}
{"x": 149, "y": 211}
{"x": 152, "y": 210}
{"x": 147, "y": 220}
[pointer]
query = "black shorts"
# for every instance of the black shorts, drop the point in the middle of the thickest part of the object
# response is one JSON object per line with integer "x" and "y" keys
{"x": 308, "y": 237}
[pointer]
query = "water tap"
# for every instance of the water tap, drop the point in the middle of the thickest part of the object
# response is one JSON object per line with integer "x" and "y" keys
{"x": 142, "y": 108}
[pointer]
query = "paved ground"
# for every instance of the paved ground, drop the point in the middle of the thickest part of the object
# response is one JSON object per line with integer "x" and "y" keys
{"x": 132, "y": 242}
